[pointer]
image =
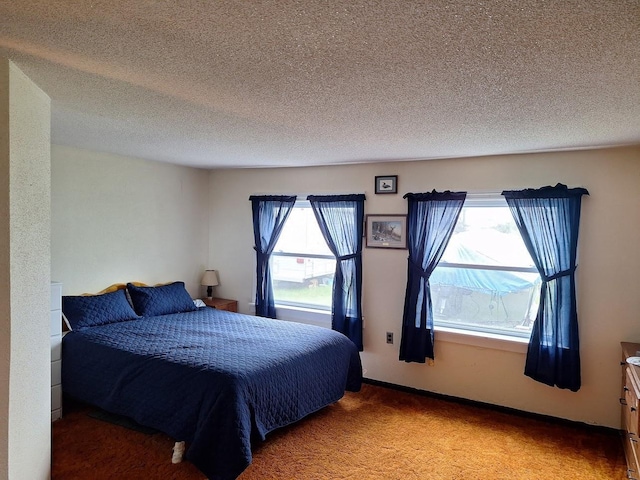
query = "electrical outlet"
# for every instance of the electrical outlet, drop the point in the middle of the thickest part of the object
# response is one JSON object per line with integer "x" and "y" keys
{"x": 389, "y": 337}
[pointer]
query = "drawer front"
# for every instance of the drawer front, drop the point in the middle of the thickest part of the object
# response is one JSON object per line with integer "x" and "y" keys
{"x": 56, "y": 397}
{"x": 56, "y": 372}
{"x": 56, "y": 347}
{"x": 56, "y": 296}
{"x": 631, "y": 454}
{"x": 56, "y": 322}
{"x": 631, "y": 414}
{"x": 229, "y": 306}
{"x": 56, "y": 415}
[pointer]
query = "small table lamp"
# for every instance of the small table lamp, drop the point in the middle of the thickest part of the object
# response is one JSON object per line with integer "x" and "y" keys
{"x": 210, "y": 280}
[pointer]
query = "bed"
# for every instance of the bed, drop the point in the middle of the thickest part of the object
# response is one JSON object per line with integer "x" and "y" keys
{"x": 215, "y": 379}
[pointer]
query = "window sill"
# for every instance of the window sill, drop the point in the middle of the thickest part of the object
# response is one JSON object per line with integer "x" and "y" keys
{"x": 320, "y": 318}
{"x": 481, "y": 339}
{"x": 492, "y": 341}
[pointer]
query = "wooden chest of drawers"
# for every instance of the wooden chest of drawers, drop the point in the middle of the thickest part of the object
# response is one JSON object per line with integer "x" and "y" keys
{"x": 629, "y": 401}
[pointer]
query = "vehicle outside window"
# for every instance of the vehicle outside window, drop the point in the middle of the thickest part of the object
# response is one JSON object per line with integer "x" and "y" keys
{"x": 302, "y": 266}
{"x": 486, "y": 280}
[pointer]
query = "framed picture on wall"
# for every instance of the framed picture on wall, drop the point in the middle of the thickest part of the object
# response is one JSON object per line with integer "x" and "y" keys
{"x": 387, "y": 184}
{"x": 386, "y": 231}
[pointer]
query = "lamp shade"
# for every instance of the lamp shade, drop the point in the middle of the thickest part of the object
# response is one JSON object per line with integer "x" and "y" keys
{"x": 210, "y": 278}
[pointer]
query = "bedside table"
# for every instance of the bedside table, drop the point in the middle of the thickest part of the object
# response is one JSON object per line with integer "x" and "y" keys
{"x": 221, "y": 304}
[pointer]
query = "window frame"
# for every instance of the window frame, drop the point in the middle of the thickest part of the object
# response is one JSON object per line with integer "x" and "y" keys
{"x": 479, "y": 200}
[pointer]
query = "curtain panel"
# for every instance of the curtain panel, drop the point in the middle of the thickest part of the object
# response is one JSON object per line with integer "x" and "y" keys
{"x": 548, "y": 220}
{"x": 430, "y": 222}
{"x": 341, "y": 221}
{"x": 269, "y": 214}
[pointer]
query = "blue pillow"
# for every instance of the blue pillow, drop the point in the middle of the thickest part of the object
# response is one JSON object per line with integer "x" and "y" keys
{"x": 93, "y": 310}
{"x": 162, "y": 300}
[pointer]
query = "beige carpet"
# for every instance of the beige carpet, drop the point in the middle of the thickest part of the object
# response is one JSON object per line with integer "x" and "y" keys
{"x": 377, "y": 433}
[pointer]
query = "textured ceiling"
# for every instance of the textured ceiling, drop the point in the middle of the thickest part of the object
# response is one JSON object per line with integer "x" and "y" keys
{"x": 295, "y": 82}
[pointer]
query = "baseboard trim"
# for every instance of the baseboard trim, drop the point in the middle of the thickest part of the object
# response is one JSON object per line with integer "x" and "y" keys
{"x": 496, "y": 408}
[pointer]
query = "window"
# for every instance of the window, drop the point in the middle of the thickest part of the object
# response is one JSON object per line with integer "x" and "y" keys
{"x": 486, "y": 280}
{"x": 302, "y": 266}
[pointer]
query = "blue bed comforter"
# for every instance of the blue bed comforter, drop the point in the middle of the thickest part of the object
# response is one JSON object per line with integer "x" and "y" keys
{"x": 216, "y": 379}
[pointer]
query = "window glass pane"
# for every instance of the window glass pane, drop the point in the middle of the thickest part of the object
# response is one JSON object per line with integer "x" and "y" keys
{"x": 301, "y": 233}
{"x": 486, "y": 305}
{"x": 493, "y": 286}
{"x": 299, "y": 276}
{"x": 302, "y": 281}
{"x": 487, "y": 236}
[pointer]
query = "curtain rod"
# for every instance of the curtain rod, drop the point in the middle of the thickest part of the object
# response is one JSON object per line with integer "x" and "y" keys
{"x": 305, "y": 195}
{"x": 484, "y": 193}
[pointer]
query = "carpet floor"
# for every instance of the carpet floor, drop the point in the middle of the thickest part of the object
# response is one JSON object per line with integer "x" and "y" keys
{"x": 377, "y": 433}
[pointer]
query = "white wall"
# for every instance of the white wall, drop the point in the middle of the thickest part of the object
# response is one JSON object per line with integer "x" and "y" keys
{"x": 118, "y": 219}
{"x": 25, "y": 219}
{"x": 609, "y": 262}
{"x": 5, "y": 265}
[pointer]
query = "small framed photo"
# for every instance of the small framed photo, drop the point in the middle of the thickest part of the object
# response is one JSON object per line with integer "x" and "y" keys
{"x": 387, "y": 184}
{"x": 386, "y": 231}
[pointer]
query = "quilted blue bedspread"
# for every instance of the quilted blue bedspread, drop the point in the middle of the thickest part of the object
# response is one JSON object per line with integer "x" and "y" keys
{"x": 216, "y": 379}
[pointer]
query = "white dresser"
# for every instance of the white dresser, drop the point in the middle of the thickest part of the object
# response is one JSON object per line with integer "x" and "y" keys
{"x": 56, "y": 350}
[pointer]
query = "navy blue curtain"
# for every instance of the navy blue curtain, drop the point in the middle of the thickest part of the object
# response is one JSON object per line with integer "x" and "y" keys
{"x": 548, "y": 219}
{"x": 269, "y": 215}
{"x": 341, "y": 221}
{"x": 430, "y": 222}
